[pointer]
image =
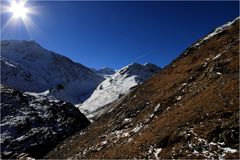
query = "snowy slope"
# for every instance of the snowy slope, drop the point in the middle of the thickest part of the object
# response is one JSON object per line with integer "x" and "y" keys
{"x": 26, "y": 66}
{"x": 216, "y": 31}
{"x": 117, "y": 85}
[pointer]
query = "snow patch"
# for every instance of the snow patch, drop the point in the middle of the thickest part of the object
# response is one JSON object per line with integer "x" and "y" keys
{"x": 126, "y": 120}
{"x": 216, "y": 31}
{"x": 217, "y": 56}
{"x": 104, "y": 142}
{"x": 155, "y": 152}
{"x": 205, "y": 150}
{"x": 157, "y": 108}
{"x": 179, "y": 98}
{"x": 137, "y": 128}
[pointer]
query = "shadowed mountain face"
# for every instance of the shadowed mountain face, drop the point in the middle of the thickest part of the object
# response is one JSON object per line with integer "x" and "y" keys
{"x": 189, "y": 110}
{"x": 26, "y": 66}
{"x": 33, "y": 125}
{"x": 105, "y": 71}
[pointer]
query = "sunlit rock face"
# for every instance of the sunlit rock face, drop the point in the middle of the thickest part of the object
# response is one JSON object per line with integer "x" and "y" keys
{"x": 33, "y": 125}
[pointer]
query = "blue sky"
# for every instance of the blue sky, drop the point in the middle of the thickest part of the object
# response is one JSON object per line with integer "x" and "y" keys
{"x": 114, "y": 34}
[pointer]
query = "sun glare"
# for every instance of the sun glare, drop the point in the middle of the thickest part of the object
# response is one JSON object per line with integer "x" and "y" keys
{"x": 21, "y": 14}
{"x": 18, "y": 9}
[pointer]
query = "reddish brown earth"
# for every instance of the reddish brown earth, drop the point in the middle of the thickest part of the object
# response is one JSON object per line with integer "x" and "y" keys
{"x": 189, "y": 110}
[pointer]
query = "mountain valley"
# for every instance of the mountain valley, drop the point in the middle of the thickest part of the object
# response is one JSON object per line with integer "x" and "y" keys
{"x": 54, "y": 108}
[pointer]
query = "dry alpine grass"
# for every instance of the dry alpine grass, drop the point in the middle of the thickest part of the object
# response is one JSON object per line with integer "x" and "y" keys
{"x": 189, "y": 110}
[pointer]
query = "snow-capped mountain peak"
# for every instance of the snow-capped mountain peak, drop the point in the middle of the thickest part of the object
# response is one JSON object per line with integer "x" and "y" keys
{"x": 27, "y": 66}
{"x": 117, "y": 85}
{"x": 140, "y": 70}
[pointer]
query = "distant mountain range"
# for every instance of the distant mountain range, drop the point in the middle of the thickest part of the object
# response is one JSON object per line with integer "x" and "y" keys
{"x": 105, "y": 71}
{"x": 28, "y": 67}
{"x": 36, "y": 85}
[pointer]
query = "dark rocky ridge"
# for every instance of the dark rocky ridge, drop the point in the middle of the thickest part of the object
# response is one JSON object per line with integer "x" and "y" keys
{"x": 189, "y": 110}
{"x": 32, "y": 126}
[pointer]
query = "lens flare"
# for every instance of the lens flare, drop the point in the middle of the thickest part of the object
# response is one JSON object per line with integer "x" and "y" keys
{"x": 21, "y": 13}
{"x": 18, "y": 9}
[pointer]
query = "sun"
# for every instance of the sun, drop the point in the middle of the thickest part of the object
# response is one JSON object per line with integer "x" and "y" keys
{"x": 18, "y": 9}
{"x": 20, "y": 13}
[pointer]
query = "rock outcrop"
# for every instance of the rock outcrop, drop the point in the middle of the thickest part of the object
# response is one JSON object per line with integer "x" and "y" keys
{"x": 32, "y": 126}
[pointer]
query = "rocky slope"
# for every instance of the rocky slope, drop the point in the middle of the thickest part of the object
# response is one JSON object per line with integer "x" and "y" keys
{"x": 116, "y": 86}
{"x": 26, "y": 66}
{"x": 32, "y": 126}
{"x": 189, "y": 110}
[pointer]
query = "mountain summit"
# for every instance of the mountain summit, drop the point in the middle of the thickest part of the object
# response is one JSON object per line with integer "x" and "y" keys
{"x": 26, "y": 66}
{"x": 117, "y": 85}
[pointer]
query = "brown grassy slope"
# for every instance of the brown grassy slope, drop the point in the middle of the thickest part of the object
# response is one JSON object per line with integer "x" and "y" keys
{"x": 190, "y": 103}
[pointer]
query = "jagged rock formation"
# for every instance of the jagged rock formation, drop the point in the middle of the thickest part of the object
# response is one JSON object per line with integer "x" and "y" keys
{"x": 189, "y": 110}
{"x": 32, "y": 126}
{"x": 26, "y": 66}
